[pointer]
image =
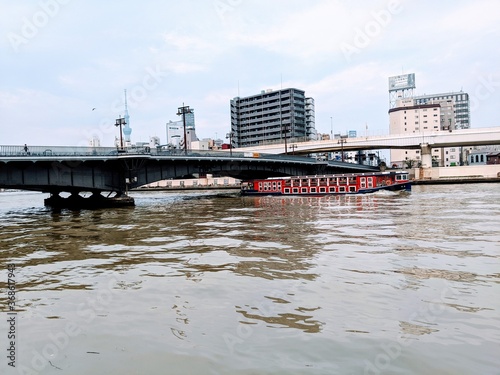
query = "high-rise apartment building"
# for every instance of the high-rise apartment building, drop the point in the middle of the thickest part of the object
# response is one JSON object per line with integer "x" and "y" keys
{"x": 272, "y": 116}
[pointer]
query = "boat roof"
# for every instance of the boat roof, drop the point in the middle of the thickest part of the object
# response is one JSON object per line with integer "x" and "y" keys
{"x": 385, "y": 173}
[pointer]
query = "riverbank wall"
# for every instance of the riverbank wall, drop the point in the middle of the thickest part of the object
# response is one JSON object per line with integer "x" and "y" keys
{"x": 458, "y": 174}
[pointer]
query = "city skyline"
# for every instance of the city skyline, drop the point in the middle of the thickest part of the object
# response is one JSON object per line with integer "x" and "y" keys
{"x": 66, "y": 63}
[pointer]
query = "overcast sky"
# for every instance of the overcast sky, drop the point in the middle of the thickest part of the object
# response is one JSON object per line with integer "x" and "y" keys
{"x": 65, "y": 63}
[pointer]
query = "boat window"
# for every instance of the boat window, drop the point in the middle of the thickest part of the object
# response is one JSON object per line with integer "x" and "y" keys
{"x": 370, "y": 182}
{"x": 313, "y": 190}
{"x": 287, "y": 190}
{"x": 342, "y": 180}
{"x": 352, "y": 180}
{"x": 322, "y": 190}
{"x": 333, "y": 181}
{"x": 288, "y": 182}
{"x": 295, "y": 190}
{"x": 352, "y": 189}
{"x": 341, "y": 189}
{"x": 303, "y": 190}
{"x": 296, "y": 182}
{"x": 305, "y": 182}
{"x": 322, "y": 181}
{"x": 332, "y": 189}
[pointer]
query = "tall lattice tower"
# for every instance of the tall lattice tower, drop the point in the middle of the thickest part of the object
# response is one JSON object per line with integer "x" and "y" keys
{"x": 127, "y": 130}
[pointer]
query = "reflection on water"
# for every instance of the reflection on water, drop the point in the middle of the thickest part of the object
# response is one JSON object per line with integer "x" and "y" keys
{"x": 209, "y": 282}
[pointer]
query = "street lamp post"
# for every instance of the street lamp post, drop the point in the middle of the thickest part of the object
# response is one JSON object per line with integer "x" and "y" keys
{"x": 230, "y": 137}
{"x": 284, "y": 133}
{"x": 331, "y": 123}
{"x": 182, "y": 111}
{"x": 119, "y": 122}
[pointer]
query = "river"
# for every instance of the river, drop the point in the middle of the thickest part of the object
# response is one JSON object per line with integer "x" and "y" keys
{"x": 209, "y": 282}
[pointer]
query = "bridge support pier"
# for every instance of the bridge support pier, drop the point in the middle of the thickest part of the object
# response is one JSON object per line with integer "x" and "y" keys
{"x": 96, "y": 200}
{"x": 425, "y": 152}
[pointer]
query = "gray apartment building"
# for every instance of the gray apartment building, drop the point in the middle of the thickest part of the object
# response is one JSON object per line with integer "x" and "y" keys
{"x": 271, "y": 116}
{"x": 460, "y": 102}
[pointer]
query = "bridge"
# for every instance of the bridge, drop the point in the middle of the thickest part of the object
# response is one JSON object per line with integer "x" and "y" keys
{"x": 455, "y": 138}
{"x": 107, "y": 169}
{"x": 424, "y": 141}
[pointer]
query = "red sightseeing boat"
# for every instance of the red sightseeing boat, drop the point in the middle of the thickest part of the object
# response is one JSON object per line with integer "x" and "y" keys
{"x": 355, "y": 183}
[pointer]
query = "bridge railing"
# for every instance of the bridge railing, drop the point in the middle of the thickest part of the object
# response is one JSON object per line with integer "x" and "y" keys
{"x": 55, "y": 150}
{"x": 77, "y": 151}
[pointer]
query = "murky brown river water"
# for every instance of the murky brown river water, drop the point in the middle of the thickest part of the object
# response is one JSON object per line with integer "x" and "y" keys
{"x": 214, "y": 283}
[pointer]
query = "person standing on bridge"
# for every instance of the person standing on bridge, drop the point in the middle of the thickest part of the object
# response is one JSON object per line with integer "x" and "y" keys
{"x": 26, "y": 150}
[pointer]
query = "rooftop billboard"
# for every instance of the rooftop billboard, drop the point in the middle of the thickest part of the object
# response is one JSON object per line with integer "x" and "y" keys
{"x": 402, "y": 82}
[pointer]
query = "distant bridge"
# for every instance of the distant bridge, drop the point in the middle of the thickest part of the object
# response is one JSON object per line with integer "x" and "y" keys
{"x": 100, "y": 169}
{"x": 455, "y": 138}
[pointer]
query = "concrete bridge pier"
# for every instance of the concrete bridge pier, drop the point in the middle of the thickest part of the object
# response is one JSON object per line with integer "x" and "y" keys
{"x": 425, "y": 152}
{"x": 96, "y": 200}
{"x": 426, "y": 155}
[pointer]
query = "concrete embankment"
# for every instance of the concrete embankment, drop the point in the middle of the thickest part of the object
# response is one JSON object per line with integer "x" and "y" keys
{"x": 457, "y": 175}
{"x": 458, "y": 180}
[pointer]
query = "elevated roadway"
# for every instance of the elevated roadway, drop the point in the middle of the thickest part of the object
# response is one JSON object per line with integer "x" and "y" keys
{"x": 455, "y": 138}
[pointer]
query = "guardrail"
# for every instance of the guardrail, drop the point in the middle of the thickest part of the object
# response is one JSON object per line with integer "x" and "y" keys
{"x": 76, "y": 151}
